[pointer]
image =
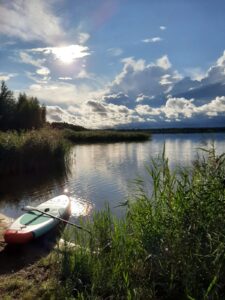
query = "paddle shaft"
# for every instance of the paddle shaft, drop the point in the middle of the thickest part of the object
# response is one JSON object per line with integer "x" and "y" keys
{"x": 30, "y": 208}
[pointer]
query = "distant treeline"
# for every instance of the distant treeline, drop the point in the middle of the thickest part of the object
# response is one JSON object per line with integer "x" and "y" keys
{"x": 23, "y": 113}
{"x": 178, "y": 130}
{"x": 63, "y": 125}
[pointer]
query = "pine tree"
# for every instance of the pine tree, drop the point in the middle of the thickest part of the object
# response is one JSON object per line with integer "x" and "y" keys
{"x": 7, "y": 108}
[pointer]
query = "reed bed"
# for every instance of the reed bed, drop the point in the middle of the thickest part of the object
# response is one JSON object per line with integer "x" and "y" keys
{"x": 104, "y": 136}
{"x": 47, "y": 148}
{"x": 32, "y": 151}
{"x": 170, "y": 245}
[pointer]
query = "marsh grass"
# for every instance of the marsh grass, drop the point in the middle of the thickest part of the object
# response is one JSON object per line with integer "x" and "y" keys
{"x": 170, "y": 245}
{"x": 32, "y": 151}
{"x": 104, "y": 136}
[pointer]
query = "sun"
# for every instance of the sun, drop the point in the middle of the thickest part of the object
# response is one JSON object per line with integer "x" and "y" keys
{"x": 69, "y": 53}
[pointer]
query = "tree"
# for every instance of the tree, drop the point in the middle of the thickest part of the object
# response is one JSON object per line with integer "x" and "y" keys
{"x": 29, "y": 113}
{"x": 26, "y": 113}
{"x": 7, "y": 107}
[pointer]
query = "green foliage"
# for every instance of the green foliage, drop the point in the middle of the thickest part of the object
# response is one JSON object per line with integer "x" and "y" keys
{"x": 170, "y": 245}
{"x": 7, "y": 107}
{"x": 32, "y": 151}
{"x": 63, "y": 125}
{"x": 26, "y": 113}
{"x": 29, "y": 114}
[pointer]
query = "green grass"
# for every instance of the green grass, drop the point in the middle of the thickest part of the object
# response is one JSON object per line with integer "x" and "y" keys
{"x": 104, "y": 136}
{"x": 32, "y": 282}
{"x": 170, "y": 245}
{"x": 32, "y": 151}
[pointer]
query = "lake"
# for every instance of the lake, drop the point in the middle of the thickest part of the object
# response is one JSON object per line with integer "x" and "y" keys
{"x": 102, "y": 173}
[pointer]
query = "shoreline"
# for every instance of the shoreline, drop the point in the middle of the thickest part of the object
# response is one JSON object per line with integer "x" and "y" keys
{"x": 4, "y": 223}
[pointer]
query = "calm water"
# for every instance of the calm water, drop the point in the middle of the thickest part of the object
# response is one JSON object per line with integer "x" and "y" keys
{"x": 102, "y": 173}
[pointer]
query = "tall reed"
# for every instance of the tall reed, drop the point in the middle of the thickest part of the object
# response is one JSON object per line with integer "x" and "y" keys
{"x": 105, "y": 136}
{"x": 170, "y": 245}
{"x": 32, "y": 151}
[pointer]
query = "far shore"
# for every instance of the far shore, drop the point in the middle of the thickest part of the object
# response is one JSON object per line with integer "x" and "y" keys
{"x": 177, "y": 130}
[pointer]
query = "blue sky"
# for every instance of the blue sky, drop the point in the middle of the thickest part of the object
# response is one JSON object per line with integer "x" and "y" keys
{"x": 126, "y": 63}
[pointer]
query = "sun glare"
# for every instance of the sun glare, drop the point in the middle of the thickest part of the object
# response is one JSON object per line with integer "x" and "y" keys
{"x": 69, "y": 53}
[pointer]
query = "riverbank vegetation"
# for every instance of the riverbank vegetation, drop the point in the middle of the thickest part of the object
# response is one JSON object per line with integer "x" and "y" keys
{"x": 32, "y": 151}
{"x": 170, "y": 245}
{"x": 47, "y": 148}
{"x": 104, "y": 136}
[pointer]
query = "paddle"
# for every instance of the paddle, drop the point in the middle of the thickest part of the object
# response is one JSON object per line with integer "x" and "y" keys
{"x": 30, "y": 208}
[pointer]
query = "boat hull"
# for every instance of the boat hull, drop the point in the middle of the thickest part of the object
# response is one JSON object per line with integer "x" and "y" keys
{"x": 34, "y": 224}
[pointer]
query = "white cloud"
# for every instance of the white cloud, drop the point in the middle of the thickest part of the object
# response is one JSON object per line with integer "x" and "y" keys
{"x": 30, "y": 20}
{"x": 166, "y": 79}
{"x": 66, "y": 54}
{"x": 84, "y": 74}
{"x": 115, "y": 51}
{"x": 195, "y": 73}
{"x": 116, "y": 99}
{"x": 60, "y": 93}
{"x": 142, "y": 98}
{"x": 178, "y": 107}
{"x": 152, "y": 40}
{"x": 162, "y": 27}
{"x": 28, "y": 59}
{"x": 221, "y": 60}
{"x": 217, "y": 72}
{"x": 138, "y": 95}
{"x": 94, "y": 114}
{"x": 164, "y": 62}
{"x": 146, "y": 110}
{"x": 57, "y": 114}
{"x": 138, "y": 77}
{"x": 184, "y": 109}
{"x": 6, "y": 76}
{"x": 83, "y": 37}
{"x": 214, "y": 108}
{"x": 65, "y": 78}
{"x": 43, "y": 71}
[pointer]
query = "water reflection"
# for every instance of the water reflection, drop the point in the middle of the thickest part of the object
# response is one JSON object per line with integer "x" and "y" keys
{"x": 102, "y": 173}
{"x": 80, "y": 207}
{"x": 18, "y": 191}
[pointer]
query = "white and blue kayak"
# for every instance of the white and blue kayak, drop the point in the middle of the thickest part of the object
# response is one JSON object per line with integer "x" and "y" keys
{"x": 38, "y": 221}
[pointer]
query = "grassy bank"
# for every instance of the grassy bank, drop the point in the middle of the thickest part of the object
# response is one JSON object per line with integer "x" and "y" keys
{"x": 32, "y": 282}
{"x": 104, "y": 136}
{"x": 32, "y": 151}
{"x": 170, "y": 245}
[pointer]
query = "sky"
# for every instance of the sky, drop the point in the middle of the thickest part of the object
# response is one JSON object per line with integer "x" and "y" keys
{"x": 118, "y": 63}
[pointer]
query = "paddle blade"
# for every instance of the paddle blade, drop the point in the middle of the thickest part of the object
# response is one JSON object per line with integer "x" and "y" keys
{"x": 28, "y": 208}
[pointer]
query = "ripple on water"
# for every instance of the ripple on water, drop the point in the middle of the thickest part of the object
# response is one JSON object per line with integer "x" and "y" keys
{"x": 80, "y": 207}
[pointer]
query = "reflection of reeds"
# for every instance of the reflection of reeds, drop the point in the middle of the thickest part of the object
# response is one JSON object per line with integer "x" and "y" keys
{"x": 27, "y": 184}
{"x": 170, "y": 245}
{"x": 32, "y": 151}
{"x": 105, "y": 136}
